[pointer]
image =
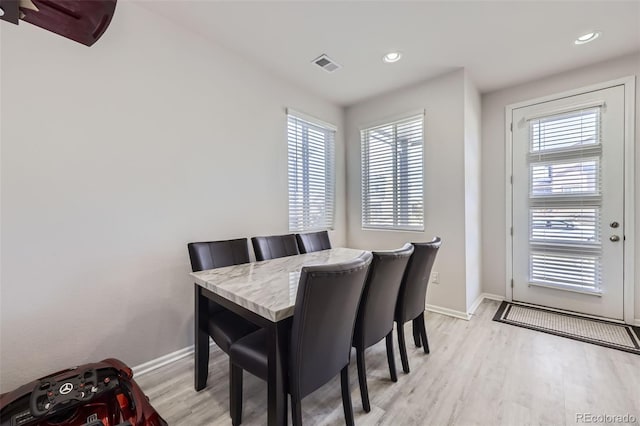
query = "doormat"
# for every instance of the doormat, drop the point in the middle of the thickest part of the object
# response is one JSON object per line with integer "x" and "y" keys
{"x": 598, "y": 332}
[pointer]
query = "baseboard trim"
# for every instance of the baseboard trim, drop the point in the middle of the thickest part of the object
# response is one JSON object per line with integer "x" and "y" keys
{"x": 448, "y": 312}
{"x": 637, "y": 324}
{"x": 492, "y": 296}
{"x": 167, "y": 359}
{"x": 474, "y": 306}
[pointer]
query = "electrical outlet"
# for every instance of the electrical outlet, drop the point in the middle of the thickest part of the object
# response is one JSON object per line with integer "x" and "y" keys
{"x": 435, "y": 277}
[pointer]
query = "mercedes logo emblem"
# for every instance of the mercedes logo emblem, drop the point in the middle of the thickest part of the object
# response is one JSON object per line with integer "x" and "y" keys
{"x": 66, "y": 388}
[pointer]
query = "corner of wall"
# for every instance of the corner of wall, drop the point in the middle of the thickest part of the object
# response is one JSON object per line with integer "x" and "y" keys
{"x": 472, "y": 179}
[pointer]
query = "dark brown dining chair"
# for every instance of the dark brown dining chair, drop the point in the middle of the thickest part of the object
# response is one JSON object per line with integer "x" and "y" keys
{"x": 320, "y": 341}
{"x": 223, "y": 326}
{"x": 411, "y": 298}
{"x": 274, "y": 246}
{"x": 375, "y": 313}
{"x": 313, "y": 241}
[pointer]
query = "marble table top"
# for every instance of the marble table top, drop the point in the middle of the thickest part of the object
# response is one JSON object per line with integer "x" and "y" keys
{"x": 268, "y": 288}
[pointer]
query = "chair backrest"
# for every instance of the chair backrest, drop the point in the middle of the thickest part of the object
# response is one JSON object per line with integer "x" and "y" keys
{"x": 413, "y": 290}
{"x": 217, "y": 254}
{"x": 323, "y": 322}
{"x": 378, "y": 302}
{"x": 313, "y": 241}
{"x": 274, "y": 246}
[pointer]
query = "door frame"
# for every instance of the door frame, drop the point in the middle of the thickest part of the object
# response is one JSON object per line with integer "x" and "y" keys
{"x": 629, "y": 84}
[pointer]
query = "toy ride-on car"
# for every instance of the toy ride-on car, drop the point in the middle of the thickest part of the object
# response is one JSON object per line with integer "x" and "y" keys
{"x": 100, "y": 394}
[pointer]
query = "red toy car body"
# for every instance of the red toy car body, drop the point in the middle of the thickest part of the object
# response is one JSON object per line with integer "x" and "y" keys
{"x": 99, "y": 394}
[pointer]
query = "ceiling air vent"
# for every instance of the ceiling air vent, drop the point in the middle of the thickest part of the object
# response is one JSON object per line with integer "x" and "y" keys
{"x": 326, "y": 63}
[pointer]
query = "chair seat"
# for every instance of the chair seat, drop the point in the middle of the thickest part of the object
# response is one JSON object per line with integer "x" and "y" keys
{"x": 250, "y": 353}
{"x": 225, "y": 327}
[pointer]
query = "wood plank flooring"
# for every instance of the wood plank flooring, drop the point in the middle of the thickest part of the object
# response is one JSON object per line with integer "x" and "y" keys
{"x": 479, "y": 372}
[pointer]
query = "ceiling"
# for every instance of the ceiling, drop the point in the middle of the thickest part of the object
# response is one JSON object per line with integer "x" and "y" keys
{"x": 500, "y": 43}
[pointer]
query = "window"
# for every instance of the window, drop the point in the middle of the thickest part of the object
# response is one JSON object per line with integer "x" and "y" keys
{"x": 392, "y": 175}
{"x": 311, "y": 173}
{"x": 565, "y": 199}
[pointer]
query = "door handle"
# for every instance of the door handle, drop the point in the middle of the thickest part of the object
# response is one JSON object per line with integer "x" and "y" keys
{"x": 614, "y": 238}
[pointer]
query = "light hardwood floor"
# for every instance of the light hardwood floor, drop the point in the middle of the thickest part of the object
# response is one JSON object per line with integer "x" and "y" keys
{"x": 479, "y": 372}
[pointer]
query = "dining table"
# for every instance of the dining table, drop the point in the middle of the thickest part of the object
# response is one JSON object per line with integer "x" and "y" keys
{"x": 264, "y": 293}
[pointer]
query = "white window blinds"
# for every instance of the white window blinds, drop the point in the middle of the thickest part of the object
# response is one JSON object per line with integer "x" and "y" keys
{"x": 565, "y": 200}
{"x": 392, "y": 175}
{"x": 311, "y": 173}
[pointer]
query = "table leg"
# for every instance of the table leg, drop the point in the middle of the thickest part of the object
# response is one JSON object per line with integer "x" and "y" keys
{"x": 201, "y": 339}
{"x": 278, "y": 334}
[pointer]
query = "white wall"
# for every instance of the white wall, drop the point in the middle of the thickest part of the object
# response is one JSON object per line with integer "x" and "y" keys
{"x": 472, "y": 146}
{"x": 493, "y": 158}
{"x": 444, "y": 185}
{"x": 113, "y": 158}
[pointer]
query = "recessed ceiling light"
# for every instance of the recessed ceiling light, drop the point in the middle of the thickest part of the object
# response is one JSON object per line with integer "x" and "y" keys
{"x": 586, "y": 38}
{"x": 392, "y": 57}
